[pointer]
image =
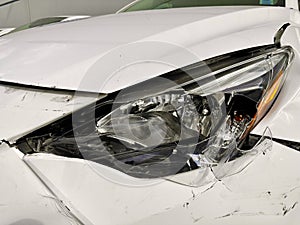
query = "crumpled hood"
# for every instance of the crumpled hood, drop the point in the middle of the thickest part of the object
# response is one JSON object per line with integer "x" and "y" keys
{"x": 108, "y": 53}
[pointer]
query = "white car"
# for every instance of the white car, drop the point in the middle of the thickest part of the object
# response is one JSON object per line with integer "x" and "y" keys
{"x": 185, "y": 114}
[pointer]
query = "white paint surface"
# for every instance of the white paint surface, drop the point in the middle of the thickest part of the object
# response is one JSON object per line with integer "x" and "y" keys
{"x": 265, "y": 192}
{"x": 66, "y": 55}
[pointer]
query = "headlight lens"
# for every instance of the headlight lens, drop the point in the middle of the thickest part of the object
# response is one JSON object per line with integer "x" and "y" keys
{"x": 187, "y": 119}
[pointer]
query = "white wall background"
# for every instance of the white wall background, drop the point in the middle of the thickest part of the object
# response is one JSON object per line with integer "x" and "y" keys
{"x": 25, "y": 11}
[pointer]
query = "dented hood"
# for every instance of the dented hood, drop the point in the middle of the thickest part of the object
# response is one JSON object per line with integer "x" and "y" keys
{"x": 90, "y": 55}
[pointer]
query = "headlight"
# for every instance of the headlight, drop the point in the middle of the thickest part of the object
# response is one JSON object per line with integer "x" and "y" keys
{"x": 187, "y": 119}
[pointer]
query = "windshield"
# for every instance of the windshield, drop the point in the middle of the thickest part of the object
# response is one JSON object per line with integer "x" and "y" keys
{"x": 166, "y": 4}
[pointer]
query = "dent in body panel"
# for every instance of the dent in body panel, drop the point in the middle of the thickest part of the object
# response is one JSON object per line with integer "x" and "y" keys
{"x": 25, "y": 198}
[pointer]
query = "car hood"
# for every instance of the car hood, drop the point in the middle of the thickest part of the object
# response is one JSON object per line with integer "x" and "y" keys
{"x": 107, "y": 53}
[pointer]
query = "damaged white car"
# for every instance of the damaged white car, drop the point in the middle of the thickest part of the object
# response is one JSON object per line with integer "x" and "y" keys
{"x": 168, "y": 112}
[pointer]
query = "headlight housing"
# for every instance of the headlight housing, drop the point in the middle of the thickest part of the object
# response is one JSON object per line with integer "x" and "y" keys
{"x": 190, "y": 118}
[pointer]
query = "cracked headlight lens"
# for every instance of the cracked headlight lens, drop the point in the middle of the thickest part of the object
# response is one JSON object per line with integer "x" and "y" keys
{"x": 187, "y": 119}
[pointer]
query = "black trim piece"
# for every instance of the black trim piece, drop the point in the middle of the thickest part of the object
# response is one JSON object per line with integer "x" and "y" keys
{"x": 9, "y": 2}
{"x": 290, "y": 144}
{"x": 41, "y": 88}
{"x": 280, "y": 32}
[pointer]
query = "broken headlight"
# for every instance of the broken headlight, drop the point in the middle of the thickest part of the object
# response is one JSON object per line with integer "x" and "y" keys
{"x": 186, "y": 119}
